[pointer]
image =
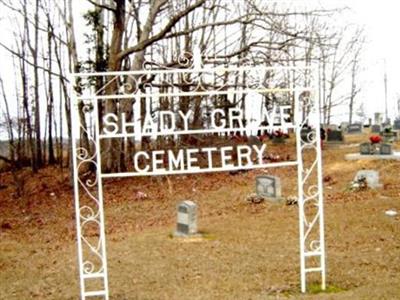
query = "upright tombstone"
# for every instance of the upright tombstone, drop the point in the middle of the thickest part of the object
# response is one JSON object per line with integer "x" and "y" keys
{"x": 365, "y": 149}
{"x": 187, "y": 219}
{"x": 396, "y": 124}
{"x": 386, "y": 149}
{"x": 269, "y": 187}
{"x": 335, "y": 136}
{"x": 354, "y": 128}
{"x": 371, "y": 177}
{"x": 376, "y": 128}
{"x": 343, "y": 126}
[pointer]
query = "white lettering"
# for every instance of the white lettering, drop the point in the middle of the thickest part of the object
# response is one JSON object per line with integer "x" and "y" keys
{"x": 225, "y": 157}
{"x": 110, "y": 120}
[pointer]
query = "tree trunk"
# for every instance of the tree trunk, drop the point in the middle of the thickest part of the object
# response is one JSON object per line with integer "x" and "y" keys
{"x": 50, "y": 107}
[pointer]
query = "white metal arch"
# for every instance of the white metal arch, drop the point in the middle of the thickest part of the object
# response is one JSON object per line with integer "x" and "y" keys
{"x": 87, "y": 152}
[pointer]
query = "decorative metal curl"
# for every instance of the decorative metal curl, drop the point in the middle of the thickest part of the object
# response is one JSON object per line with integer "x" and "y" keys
{"x": 315, "y": 245}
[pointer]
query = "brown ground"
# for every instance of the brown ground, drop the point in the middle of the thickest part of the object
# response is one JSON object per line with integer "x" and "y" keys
{"x": 250, "y": 251}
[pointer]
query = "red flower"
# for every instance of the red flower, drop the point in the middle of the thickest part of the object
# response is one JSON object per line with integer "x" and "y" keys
{"x": 278, "y": 133}
{"x": 375, "y": 139}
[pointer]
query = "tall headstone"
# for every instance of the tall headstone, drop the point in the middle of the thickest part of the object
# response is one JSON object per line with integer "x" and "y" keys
{"x": 371, "y": 176}
{"x": 378, "y": 118}
{"x": 269, "y": 187}
{"x": 187, "y": 219}
{"x": 354, "y": 128}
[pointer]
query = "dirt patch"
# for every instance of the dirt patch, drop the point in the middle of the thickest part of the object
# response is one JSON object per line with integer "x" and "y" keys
{"x": 248, "y": 251}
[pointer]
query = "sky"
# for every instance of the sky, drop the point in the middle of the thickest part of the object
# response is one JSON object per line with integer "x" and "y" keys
{"x": 380, "y": 18}
{"x": 382, "y": 21}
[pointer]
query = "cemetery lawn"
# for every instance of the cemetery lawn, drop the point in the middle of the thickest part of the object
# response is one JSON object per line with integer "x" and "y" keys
{"x": 248, "y": 251}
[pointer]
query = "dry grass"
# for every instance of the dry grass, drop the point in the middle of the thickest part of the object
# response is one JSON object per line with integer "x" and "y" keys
{"x": 248, "y": 251}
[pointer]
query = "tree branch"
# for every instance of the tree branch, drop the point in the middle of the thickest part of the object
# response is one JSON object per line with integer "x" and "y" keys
{"x": 102, "y": 6}
{"x": 19, "y": 55}
{"x": 175, "y": 19}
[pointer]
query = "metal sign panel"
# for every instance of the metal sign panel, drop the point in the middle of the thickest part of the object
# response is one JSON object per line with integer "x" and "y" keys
{"x": 116, "y": 110}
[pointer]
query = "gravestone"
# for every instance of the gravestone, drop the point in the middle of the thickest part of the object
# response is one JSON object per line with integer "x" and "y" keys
{"x": 335, "y": 136}
{"x": 365, "y": 149}
{"x": 376, "y": 128}
{"x": 396, "y": 124}
{"x": 187, "y": 219}
{"x": 343, "y": 126}
{"x": 378, "y": 118}
{"x": 354, "y": 128}
{"x": 371, "y": 176}
{"x": 386, "y": 149}
{"x": 386, "y": 124}
{"x": 269, "y": 187}
{"x": 389, "y": 136}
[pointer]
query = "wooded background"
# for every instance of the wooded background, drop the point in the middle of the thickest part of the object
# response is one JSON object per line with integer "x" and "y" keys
{"x": 123, "y": 34}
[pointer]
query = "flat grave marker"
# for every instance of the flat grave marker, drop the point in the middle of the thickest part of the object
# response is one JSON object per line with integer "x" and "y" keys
{"x": 371, "y": 176}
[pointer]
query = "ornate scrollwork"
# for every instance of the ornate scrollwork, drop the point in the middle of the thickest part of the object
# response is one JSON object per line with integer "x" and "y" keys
{"x": 310, "y": 188}
{"x": 90, "y": 205}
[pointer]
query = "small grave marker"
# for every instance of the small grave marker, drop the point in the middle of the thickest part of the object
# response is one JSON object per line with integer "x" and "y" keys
{"x": 187, "y": 219}
{"x": 365, "y": 149}
{"x": 335, "y": 136}
{"x": 343, "y": 126}
{"x": 371, "y": 176}
{"x": 354, "y": 128}
{"x": 269, "y": 187}
{"x": 396, "y": 124}
{"x": 376, "y": 128}
{"x": 386, "y": 149}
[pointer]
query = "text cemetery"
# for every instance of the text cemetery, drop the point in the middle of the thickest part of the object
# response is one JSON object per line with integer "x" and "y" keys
{"x": 157, "y": 162}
